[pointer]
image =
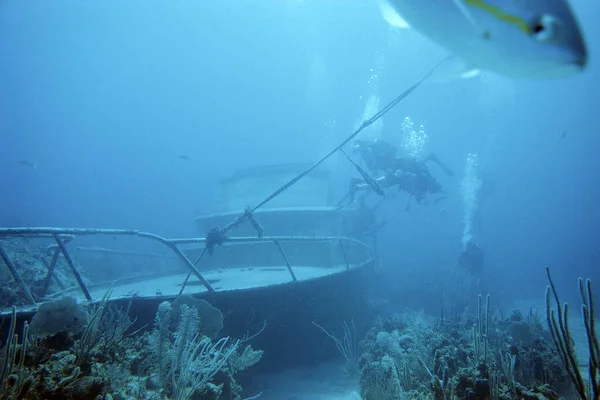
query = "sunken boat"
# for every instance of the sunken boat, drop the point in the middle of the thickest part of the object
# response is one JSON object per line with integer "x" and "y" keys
{"x": 285, "y": 263}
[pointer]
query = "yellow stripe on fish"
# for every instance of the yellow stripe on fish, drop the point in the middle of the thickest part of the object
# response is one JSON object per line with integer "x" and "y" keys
{"x": 496, "y": 12}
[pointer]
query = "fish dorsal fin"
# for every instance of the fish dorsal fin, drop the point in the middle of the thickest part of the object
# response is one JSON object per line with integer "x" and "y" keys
{"x": 480, "y": 31}
{"x": 391, "y": 16}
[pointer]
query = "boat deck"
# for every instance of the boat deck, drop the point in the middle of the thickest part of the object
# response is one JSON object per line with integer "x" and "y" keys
{"x": 222, "y": 280}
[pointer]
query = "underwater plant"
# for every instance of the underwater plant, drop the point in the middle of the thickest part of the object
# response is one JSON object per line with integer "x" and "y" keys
{"x": 99, "y": 358}
{"x": 15, "y": 380}
{"x": 563, "y": 339}
{"x": 481, "y": 356}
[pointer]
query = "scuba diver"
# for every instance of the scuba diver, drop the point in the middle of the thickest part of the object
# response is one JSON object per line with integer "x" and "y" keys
{"x": 472, "y": 258}
{"x": 379, "y": 155}
{"x": 408, "y": 173}
{"x": 416, "y": 184}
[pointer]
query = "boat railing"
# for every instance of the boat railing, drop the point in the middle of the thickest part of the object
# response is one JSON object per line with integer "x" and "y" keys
{"x": 62, "y": 236}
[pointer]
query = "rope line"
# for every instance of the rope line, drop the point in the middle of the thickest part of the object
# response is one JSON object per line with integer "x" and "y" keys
{"x": 362, "y": 126}
{"x": 217, "y": 236}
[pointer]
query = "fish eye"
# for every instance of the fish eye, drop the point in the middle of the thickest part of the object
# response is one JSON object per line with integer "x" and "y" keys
{"x": 544, "y": 29}
{"x": 538, "y": 28}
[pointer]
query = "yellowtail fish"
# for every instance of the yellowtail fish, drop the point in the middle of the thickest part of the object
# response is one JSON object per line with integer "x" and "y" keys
{"x": 514, "y": 38}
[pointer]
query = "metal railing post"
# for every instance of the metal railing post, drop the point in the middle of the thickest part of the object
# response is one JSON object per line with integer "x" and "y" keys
{"x": 50, "y": 273}
{"x": 191, "y": 266}
{"x": 13, "y": 270}
{"x": 344, "y": 254}
{"x": 287, "y": 263}
{"x": 187, "y": 278}
{"x": 72, "y": 265}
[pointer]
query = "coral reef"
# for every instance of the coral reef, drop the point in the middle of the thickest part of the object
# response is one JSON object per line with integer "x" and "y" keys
{"x": 471, "y": 357}
{"x": 107, "y": 359}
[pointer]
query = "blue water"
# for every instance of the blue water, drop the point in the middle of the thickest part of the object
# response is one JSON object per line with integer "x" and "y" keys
{"x": 105, "y": 97}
